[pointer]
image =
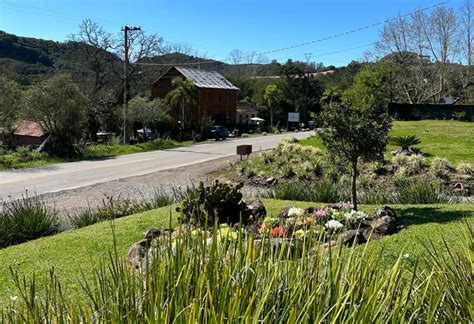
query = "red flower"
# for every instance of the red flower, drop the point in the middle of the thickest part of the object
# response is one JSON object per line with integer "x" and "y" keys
{"x": 278, "y": 231}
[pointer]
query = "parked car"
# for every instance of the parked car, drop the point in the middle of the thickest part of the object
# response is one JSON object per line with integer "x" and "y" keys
{"x": 220, "y": 132}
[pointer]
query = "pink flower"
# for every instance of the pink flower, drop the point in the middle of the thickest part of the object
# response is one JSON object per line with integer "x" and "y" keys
{"x": 321, "y": 213}
{"x": 346, "y": 205}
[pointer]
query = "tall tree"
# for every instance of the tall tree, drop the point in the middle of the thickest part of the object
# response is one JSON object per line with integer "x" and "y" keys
{"x": 10, "y": 108}
{"x": 466, "y": 43}
{"x": 58, "y": 105}
{"x": 357, "y": 129}
{"x": 184, "y": 94}
{"x": 273, "y": 95}
{"x": 420, "y": 48}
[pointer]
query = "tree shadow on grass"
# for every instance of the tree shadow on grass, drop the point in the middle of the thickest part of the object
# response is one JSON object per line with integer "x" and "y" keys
{"x": 424, "y": 215}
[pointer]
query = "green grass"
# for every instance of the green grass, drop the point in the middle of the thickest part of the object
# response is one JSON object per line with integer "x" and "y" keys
{"x": 100, "y": 151}
{"x": 453, "y": 140}
{"x": 73, "y": 252}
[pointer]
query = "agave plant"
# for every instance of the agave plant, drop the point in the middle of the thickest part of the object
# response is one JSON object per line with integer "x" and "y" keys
{"x": 406, "y": 142}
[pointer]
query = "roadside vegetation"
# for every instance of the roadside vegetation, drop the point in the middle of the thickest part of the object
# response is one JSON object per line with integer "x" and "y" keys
{"x": 439, "y": 224}
{"x": 28, "y": 157}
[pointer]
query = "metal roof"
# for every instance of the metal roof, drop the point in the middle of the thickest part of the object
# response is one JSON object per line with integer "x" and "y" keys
{"x": 206, "y": 79}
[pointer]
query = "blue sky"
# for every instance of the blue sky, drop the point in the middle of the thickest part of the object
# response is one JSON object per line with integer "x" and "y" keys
{"x": 214, "y": 28}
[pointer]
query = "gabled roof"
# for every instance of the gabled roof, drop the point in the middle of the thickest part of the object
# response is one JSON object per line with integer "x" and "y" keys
{"x": 29, "y": 128}
{"x": 205, "y": 79}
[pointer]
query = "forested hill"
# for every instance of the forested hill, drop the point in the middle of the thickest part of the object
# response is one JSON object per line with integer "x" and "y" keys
{"x": 24, "y": 58}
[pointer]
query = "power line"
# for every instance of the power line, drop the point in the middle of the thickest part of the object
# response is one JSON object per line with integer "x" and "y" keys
{"x": 212, "y": 61}
{"x": 351, "y": 31}
{"x": 355, "y": 30}
{"x": 72, "y": 16}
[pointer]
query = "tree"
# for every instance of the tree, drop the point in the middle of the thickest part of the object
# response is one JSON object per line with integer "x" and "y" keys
{"x": 151, "y": 114}
{"x": 467, "y": 32}
{"x": 10, "y": 108}
{"x": 357, "y": 129}
{"x": 330, "y": 95}
{"x": 272, "y": 95}
{"x": 58, "y": 105}
{"x": 184, "y": 94}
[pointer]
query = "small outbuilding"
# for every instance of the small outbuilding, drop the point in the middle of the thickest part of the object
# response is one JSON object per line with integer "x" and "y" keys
{"x": 217, "y": 97}
{"x": 27, "y": 133}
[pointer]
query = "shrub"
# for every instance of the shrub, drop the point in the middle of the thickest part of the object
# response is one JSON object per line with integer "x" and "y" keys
{"x": 416, "y": 163}
{"x": 25, "y": 220}
{"x": 204, "y": 204}
{"x": 465, "y": 169}
{"x": 422, "y": 191}
{"x": 85, "y": 218}
{"x": 323, "y": 191}
{"x": 440, "y": 167}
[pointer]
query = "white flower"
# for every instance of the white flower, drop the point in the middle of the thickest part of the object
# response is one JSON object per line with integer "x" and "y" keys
{"x": 354, "y": 216}
{"x": 334, "y": 225}
{"x": 405, "y": 256}
{"x": 295, "y": 212}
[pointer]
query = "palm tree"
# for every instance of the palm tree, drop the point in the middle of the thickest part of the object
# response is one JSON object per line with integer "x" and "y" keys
{"x": 330, "y": 95}
{"x": 406, "y": 142}
{"x": 272, "y": 95}
{"x": 184, "y": 94}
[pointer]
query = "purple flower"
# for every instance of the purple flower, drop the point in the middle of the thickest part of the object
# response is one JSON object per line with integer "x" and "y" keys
{"x": 321, "y": 213}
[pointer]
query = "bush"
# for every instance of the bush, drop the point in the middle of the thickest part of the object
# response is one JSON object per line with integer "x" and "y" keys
{"x": 85, "y": 218}
{"x": 25, "y": 220}
{"x": 440, "y": 167}
{"x": 421, "y": 191}
{"x": 465, "y": 169}
{"x": 323, "y": 191}
{"x": 204, "y": 204}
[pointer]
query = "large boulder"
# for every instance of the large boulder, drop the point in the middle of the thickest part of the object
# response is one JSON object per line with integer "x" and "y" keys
{"x": 253, "y": 208}
{"x": 137, "y": 253}
{"x": 153, "y": 233}
{"x": 385, "y": 225}
{"x": 354, "y": 236}
{"x": 386, "y": 211}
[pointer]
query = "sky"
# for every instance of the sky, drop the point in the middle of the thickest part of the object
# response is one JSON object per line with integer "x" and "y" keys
{"x": 213, "y": 28}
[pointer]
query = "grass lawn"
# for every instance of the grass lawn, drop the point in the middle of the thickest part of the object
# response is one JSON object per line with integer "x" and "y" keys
{"x": 71, "y": 253}
{"x": 453, "y": 140}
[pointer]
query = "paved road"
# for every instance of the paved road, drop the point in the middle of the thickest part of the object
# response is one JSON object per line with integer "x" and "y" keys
{"x": 64, "y": 176}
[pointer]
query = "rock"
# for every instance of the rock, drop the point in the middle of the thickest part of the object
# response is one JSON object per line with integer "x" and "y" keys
{"x": 385, "y": 225}
{"x": 137, "y": 253}
{"x": 270, "y": 181}
{"x": 310, "y": 210}
{"x": 353, "y": 236}
{"x": 386, "y": 211}
{"x": 152, "y": 233}
{"x": 283, "y": 213}
{"x": 253, "y": 208}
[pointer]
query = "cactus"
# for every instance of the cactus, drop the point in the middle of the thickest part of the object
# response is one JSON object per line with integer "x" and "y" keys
{"x": 203, "y": 204}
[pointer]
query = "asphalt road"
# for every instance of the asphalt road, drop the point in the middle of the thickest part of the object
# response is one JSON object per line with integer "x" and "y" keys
{"x": 64, "y": 176}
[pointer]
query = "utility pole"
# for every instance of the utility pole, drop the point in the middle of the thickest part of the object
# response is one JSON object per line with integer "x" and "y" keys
{"x": 306, "y": 74}
{"x": 126, "y": 29}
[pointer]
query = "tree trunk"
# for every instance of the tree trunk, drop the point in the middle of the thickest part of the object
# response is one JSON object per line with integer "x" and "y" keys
{"x": 354, "y": 184}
